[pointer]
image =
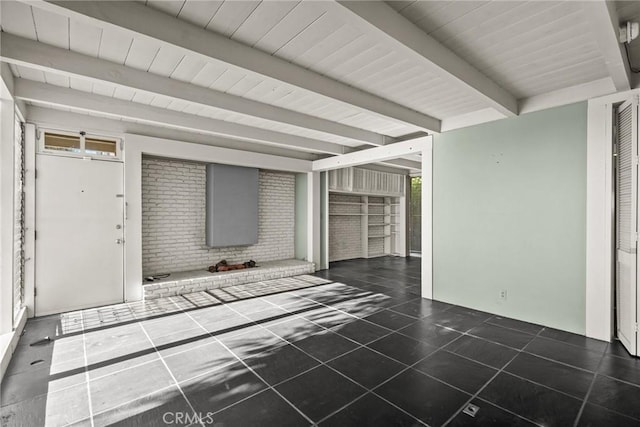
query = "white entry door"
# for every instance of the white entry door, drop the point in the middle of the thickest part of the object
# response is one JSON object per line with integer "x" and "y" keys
{"x": 627, "y": 225}
{"x": 79, "y": 233}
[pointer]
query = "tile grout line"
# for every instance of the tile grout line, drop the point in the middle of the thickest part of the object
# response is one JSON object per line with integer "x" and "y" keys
{"x": 321, "y": 363}
{"x": 268, "y": 386}
{"x": 586, "y": 397}
{"x": 86, "y": 370}
{"x": 177, "y": 384}
{"x": 486, "y": 384}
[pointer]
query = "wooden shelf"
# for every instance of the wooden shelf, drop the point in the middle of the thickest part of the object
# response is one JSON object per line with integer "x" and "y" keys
{"x": 380, "y": 236}
{"x": 346, "y": 214}
{"x": 331, "y": 202}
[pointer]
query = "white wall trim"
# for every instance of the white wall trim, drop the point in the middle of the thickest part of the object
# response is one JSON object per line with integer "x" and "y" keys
{"x": 9, "y": 342}
{"x": 7, "y": 144}
{"x": 599, "y": 239}
{"x": 426, "y": 213}
{"x": 135, "y": 147}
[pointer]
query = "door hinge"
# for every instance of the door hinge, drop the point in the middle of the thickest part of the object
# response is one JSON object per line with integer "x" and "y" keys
{"x": 35, "y": 292}
{"x": 35, "y": 173}
{"x": 35, "y": 234}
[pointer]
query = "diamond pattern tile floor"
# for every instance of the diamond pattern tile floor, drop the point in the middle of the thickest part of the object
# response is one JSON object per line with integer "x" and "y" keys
{"x": 353, "y": 345}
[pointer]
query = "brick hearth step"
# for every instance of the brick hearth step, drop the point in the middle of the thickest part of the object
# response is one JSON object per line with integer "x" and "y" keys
{"x": 185, "y": 282}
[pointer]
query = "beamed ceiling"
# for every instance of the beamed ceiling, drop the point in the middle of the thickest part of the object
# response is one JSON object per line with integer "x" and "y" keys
{"x": 308, "y": 79}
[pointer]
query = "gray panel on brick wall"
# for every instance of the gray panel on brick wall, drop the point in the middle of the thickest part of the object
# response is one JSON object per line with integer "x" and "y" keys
{"x": 232, "y": 206}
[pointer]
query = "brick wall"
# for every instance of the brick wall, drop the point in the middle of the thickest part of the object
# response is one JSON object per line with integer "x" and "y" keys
{"x": 345, "y": 232}
{"x": 173, "y": 218}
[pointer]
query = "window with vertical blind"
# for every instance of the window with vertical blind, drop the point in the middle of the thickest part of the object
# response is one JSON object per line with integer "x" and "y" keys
{"x": 625, "y": 201}
{"x": 18, "y": 217}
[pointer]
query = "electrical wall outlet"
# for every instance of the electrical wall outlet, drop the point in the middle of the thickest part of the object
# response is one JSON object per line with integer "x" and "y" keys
{"x": 503, "y": 295}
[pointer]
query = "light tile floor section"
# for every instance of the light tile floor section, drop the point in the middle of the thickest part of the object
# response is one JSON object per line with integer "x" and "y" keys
{"x": 351, "y": 346}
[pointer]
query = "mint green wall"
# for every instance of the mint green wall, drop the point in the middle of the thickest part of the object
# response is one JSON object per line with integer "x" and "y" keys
{"x": 509, "y": 213}
{"x": 301, "y": 217}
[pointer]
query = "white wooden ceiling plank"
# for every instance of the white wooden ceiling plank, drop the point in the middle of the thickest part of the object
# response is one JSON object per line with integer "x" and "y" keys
{"x": 536, "y": 50}
{"x": 56, "y": 79}
{"x": 188, "y": 68}
{"x": 124, "y": 93}
{"x": 84, "y": 38}
{"x": 114, "y": 45}
{"x": 317, "y": 32}
{"x": 383, "y": 79}
{"x": 554, "y": 61}
{"x": 227, "y": 80}
{"x": 160, "y": 101}
{"x": 276, "y": 96}
{"x": 245, "y": 84}
{"x": 361, "y": 59}
{"x": 199, "y": 12}
{"x": 381, "y": 65}
{"x": 17, "y": 18}
{"x": 442, "y": 14}
{"x": 230, "y": 15}
{"x": 262, "y": 20}
{"x": 80, "y": 84}
{"x": 292, "y": 24}
{"x": 538, "y": 16}
{"x": 192, "y": 109}
{"x": 170, "y": 7}
{"x": 166, "y": 61}
{"x": 103, "y": 89}
{"x": 510, "y": 17}
{"x": 31, "y": 74}
{"x": 480, "y": 20}
{"x": 569, "y": 72}
{"x": 344, "y": 35}
{"x": 51, "y": 28}
{"x": 343, "y": 52}
{"x": 143, "y": 97}
{"x": 177, "y": 105}
{"x": 419, "y": 9}
{"x": 142, "y": 53}
{"x": 208, "y": 74}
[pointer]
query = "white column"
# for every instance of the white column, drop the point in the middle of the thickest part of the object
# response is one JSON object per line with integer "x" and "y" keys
{"x": 426, "y": 217}
{"x": 313, "y": 219}
{"x": 7, "y": 125}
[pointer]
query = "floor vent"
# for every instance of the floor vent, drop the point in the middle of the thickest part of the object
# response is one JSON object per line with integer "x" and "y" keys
{"x": 471, "y": 410}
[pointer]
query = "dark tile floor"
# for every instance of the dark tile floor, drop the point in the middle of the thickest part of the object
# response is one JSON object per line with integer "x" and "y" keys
{"x": 354, "y": 345}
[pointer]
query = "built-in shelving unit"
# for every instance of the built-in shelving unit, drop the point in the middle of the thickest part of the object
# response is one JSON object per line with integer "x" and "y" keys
{"x": 365, "y": 226}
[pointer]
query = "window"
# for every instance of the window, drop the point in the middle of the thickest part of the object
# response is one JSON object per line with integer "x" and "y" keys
{"x": 79, "y": 144}
{"x": 100, "y": 147}
{"x": 58, "y": 142}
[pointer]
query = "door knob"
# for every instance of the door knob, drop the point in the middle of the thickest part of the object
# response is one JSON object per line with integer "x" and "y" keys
{"x": 119, "y": 241}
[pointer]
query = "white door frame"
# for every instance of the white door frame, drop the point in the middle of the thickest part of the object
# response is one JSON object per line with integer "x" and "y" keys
{"x": 422, "y": 145}
{"x": 600, "y": 283}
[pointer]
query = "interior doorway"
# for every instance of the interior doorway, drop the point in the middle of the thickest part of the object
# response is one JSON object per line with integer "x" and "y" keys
{"x": 415, "y": 216}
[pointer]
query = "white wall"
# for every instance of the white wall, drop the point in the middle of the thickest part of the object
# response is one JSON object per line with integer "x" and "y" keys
{"x": 173, "y": 218}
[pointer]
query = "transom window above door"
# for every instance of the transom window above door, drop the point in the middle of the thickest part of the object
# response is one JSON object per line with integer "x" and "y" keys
{"x": 79, "y": 144}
